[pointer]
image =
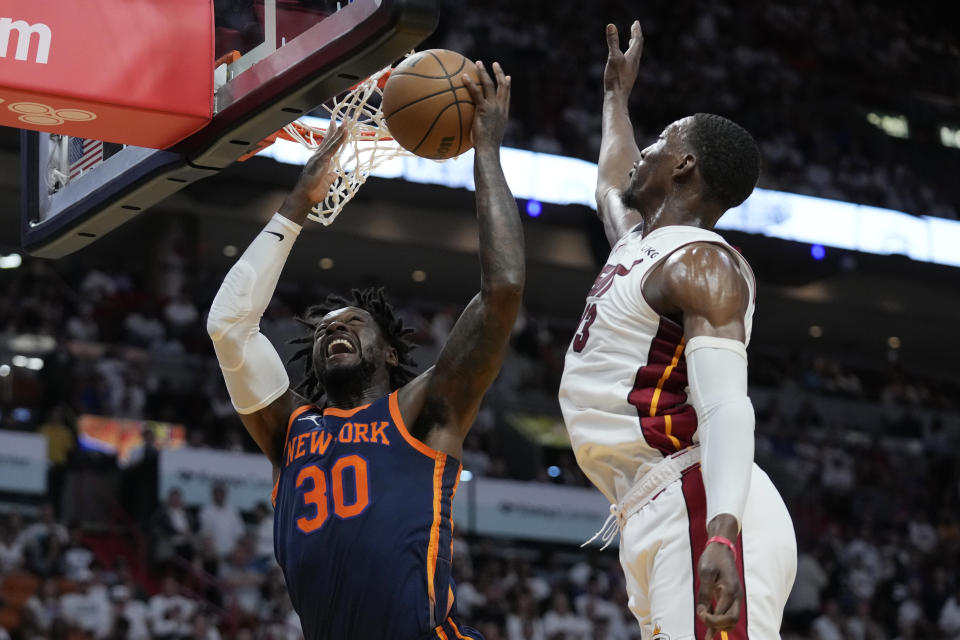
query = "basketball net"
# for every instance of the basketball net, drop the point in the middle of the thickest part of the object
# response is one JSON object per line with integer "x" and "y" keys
{"x": 367, "y": 146}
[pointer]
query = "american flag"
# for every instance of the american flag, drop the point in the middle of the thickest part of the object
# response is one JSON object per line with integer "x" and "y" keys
{"x": 84, "y": 154}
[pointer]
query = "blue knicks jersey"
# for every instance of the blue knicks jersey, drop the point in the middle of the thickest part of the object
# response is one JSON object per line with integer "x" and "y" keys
{"x": 363, "y": 528}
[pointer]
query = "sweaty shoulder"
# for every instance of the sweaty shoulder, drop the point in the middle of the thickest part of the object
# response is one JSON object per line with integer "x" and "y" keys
{"x": 701, "y": 279}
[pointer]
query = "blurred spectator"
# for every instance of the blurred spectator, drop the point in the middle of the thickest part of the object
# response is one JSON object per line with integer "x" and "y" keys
{"x": 263, "y": 534}
{"x": 44, "y": 606}
{"x": 88, "y": 608}
{"x": 592, "y": 605}
{"x": 949, "y": 619}
{"x": 129, "y": 616}
{"x": 171, "y": 614}
{"x": 561, "y": 623}
{"x": 11, "y": 544}
{"x": 523, "y": 623}
{"x": 76, "y": 558}
{"x": 142, "y": 477}
{"x": 61, "y": 440}
{"x": 803, "y": 605}
{"x": 201, "y": 629}
{"x": 171, "y": 529}
{"x": 220, "y": 523}
{"x": 43, "y": 541}
{"x": 863, "y": 626}
{"x": 829, "y": 625}
{"x": 181, "y": 314}
{"x": 83, "y": 325}
{"x": 242, "y": 579}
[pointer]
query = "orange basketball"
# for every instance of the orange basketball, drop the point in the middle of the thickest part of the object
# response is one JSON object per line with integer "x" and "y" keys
{"x": 426, "y": 105}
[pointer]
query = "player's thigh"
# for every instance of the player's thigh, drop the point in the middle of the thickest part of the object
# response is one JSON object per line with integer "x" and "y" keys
{"x": 658, "y": 563}
{"x": 769, "y": 557}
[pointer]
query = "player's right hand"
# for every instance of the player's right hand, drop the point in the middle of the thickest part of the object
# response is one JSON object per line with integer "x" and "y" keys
{"x": 721, "y": 594}
{"x": 492, "y": 104}
{"x": 317, "y": 178}
{"x": 622, "y": 67}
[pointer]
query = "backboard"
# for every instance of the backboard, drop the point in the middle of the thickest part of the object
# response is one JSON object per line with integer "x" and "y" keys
{"x": 276, "y": 61}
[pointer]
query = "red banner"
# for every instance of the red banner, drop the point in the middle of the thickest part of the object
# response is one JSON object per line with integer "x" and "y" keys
{"x": 137, "y": 72}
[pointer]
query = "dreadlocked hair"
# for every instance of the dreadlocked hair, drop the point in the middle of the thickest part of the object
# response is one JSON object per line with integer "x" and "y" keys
{"x": 373, "y": 301}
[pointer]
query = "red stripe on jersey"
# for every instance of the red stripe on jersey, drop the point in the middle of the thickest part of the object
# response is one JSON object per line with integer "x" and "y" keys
{"x": 658, "y": 392}
{"x": 696, "y": 500}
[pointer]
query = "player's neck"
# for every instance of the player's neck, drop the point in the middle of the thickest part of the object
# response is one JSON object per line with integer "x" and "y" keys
{"x": 350, "y": 396}
{"x": 679, "y": 208}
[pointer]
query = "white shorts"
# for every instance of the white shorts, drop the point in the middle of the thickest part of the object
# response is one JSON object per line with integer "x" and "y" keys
{"x": 662, "y": 539}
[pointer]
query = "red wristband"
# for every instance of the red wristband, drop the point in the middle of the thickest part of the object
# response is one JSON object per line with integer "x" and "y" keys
{"x": 725, "y": 542}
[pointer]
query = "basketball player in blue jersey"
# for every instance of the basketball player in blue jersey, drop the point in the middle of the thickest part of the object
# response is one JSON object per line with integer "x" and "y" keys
{"x": 366, "y": 461}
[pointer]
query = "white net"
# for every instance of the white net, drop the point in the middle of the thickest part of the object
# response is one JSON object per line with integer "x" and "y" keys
{"x": 368, "y": 143}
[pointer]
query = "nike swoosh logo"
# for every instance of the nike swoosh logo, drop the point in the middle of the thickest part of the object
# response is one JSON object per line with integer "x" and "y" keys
{"x": 279, "y": 235}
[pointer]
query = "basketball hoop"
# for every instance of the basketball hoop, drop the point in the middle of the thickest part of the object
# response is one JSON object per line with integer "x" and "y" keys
{"x": 368, "y": 144}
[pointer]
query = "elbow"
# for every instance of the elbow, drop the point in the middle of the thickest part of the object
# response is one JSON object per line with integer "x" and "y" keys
{"x": 214, "y": 326}
{"x": 505, "y": 290}
{"x": 219, "y": 325}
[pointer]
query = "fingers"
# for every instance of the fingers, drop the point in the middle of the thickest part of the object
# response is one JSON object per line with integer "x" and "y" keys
{"x": 636, "y": 33}
{"x": 705, "y": 595}
{"x": 724, "y": 617}
{"x": 503, "y": 84}
{"x": 476, "y": 93}
{"x": 724, "y": 622}
{"x": 332, "y": 141}
{"x": 319, "y": 192}
{"x": 613, "y": 38}
{"x": 486, "y": 88}
{"x": 723, "y": 601}
{"x": 485, "y": 81}
{"x": 635, "y": 48}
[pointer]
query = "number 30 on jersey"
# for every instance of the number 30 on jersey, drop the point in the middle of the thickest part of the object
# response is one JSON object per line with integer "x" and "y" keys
{"x": 315, "y": 493}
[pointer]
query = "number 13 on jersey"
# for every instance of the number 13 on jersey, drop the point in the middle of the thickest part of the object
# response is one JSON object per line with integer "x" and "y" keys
{"x": 583, "y": 332}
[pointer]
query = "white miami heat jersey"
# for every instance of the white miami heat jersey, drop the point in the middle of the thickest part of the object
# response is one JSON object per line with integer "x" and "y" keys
{"x": 624, "y": 388}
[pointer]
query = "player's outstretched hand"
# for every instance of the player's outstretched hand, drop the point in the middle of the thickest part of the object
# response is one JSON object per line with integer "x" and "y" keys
{"x": 492, "y": 104}
{"x": 622, "y": 67}
{"x": 316, "y": 178}
{"x": 720, "y": 595}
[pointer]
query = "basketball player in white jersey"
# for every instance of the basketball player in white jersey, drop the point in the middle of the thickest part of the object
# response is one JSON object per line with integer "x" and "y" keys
{"x": 654, "y": 389}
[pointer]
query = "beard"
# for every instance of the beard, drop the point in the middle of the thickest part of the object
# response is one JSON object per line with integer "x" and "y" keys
{"x": 629, "y": 196}
{"x": 345, "y": 380}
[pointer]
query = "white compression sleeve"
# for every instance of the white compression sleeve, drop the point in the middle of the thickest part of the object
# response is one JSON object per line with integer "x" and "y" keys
{"x": 717, "y": 374}
{"x": 251, "y": 366}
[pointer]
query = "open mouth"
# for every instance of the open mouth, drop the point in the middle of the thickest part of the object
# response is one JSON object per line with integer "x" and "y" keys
{"x": 339, "y": 347}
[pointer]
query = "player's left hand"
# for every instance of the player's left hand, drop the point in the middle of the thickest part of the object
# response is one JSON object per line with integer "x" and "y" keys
{"x": 622, "y": 66}
{"x": 492, "y": 104}
{"x": 720, "y": 595}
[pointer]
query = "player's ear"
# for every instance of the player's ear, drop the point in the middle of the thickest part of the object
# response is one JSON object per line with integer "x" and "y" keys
{"x": 391, "y": 357}
{"x": 685, "y": 166}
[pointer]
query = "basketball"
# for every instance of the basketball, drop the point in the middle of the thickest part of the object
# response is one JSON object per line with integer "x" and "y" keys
{"x": 427, "y": 107}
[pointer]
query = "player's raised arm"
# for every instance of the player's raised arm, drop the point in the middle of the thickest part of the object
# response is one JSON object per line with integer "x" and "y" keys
{"x": 255, "y": 376}
{"x": 473, "y": 353}
{"x": 703, "y": 283}
{"x": 618, "y": 147}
